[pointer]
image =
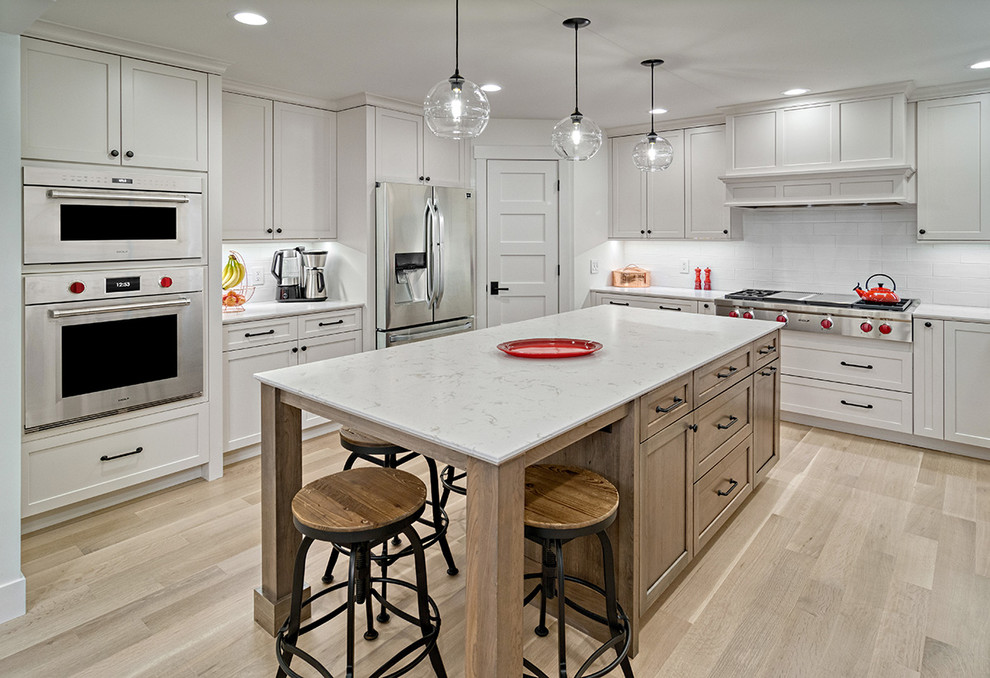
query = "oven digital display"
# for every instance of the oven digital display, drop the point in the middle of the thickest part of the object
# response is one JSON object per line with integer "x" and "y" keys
{"x": 130, "y": 284}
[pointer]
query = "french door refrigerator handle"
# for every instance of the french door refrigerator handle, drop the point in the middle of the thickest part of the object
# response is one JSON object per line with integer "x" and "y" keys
{"x": 428, "y": 225}
{"x": 438, "y": 216}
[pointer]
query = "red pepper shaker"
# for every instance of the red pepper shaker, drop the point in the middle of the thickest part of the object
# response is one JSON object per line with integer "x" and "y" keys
{"x": 697, "y": 278}
{"x": 708, "y": 278}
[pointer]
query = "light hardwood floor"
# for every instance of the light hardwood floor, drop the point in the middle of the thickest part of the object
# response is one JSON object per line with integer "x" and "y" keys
{"x": 856, "y": 558}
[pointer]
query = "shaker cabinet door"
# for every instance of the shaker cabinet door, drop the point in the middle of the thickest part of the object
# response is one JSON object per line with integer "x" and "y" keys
{"x": 247, "y": 167}
{"x": 305, "y": 173}
{"x": 242, "y": 392}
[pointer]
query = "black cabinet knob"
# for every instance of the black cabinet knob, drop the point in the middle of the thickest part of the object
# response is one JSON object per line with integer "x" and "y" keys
{"x": 928, "y": 324}
{"x": 114, "y": 153}
{"x": 278, "y": 230}
{"x": 649, "y": 230}
{"x": 129, "y": 154}
{"x": 421, "y": 178}
{"x": 725, "y": 231}
{"x": 427, "y": 179}
{"x": 643, "y": 232}
{"x": 921, "y": 231}
{"x": 303, "y": 348}
{"x": 295, "y": 350}
{"x": 268, "y": 230}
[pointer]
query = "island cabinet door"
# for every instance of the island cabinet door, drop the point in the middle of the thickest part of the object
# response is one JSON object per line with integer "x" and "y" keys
{"x": 766, "y": 419}
{"x": 666, "y": 508}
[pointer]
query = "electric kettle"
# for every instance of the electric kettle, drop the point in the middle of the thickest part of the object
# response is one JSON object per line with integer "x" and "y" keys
{"x": 285, "y": 269}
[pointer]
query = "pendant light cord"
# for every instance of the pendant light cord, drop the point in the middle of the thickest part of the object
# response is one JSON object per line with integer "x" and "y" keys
{"x": 652, "y": 102}
{"x": 576, "y": 111}
{"x": 457, "y": 37}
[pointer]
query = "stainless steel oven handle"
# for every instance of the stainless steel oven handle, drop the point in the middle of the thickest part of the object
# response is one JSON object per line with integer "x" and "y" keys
{"x": 116, "y": 195}
{"x": 151, "y": 305}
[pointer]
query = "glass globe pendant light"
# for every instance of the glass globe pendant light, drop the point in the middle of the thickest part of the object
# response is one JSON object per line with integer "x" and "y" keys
{"x": 456, "y": 108}
{"x": 576, "y": 137}
{"x": 654, "y": 153}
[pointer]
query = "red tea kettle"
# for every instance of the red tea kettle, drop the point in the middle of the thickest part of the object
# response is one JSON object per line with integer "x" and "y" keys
{"x": 878, "y": 294}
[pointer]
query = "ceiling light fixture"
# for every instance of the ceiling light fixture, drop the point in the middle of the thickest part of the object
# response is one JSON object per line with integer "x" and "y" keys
{"x": 249, "y": 18}
{"x": 576, "y": 137}
{"x": 456, "y": 108}
{"x": 795, "y": 91}
{"x": 491, "y": 87}
{"x": 981, "y": 64}
{"x": 654, "y": 153}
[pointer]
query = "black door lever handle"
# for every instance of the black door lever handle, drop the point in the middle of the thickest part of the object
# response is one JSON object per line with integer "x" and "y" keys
{"x": 495, "y": 289}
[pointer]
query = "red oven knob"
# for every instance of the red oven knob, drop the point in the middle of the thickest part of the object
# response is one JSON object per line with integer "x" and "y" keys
{"x": 866, "y": 327}
{"x": 747, "y": 315}
{"x": 165, "y": 282}
{"x": 77, "y": 288}
{"x": 885, "y": 329}
{"x": 827, "y": 324}
{"x": 782, "y": 318}
{"x": 733, "y": 314}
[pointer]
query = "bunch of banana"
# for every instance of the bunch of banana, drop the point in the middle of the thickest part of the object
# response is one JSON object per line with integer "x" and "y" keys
{"x": 233, "y": 272}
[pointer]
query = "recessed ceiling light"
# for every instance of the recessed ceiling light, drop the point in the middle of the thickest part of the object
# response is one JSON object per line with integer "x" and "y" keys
{"x": 795, "y": 91}
{"x": 249, "y": 18}
{"x": 981, "y": 64}
{"x": 491, "y": 87}
{"x": 658, "y": 111}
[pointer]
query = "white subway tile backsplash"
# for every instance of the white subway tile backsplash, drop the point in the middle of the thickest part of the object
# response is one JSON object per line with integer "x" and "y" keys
{"x": 956, "y": 298}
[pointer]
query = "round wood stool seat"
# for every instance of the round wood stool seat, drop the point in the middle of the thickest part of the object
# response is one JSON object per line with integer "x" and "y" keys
{"x": 357, "y": 441}
{"x": 564, "y": 502}
{"x": 358, "y": 505}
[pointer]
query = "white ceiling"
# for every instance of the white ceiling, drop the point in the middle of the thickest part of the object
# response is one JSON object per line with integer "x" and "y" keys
{"x": 718, "y": 52}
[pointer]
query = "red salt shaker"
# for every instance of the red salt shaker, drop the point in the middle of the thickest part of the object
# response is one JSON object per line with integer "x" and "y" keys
{"x": 708, "y": 278}
{"x": 697, "y": 278}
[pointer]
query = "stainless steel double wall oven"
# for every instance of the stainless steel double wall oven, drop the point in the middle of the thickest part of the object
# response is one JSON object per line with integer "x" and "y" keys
{"x": 113, "y": 292}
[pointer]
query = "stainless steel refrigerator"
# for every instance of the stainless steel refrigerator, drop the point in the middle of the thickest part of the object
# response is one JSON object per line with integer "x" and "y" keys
{"x": 425, "y": 262}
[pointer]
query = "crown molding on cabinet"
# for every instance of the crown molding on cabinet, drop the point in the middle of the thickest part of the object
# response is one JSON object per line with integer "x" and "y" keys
{"x": 45, "y": 30}
{"x": 956, "y": 89}
{"x": 289, "y": 97}
{"x": 368, "y": 99}
{"x": 664, "y": 125}
{"x": 906, "y": 88}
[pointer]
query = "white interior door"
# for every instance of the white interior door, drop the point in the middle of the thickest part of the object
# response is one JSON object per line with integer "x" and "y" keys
{"x": 522, "y": 240}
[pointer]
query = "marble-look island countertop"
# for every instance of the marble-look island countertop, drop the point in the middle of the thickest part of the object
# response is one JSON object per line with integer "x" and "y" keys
{"x": 464, "y": 394}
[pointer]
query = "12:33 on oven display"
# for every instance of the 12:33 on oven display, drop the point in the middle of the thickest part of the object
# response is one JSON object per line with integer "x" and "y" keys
{"x": 129, "y": 284}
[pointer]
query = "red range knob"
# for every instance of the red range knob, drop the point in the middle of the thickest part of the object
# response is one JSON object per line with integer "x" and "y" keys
{"x": 165, "y": 282}
{"x": 866, "y": 327}
{"x": 77, "y": 288}
{"x": 827, "y": 324}
{"x": 782, "y": 318}
{"x": 748, "y": 315}
{"x": 885, "y": 329}
{"x": 733, "y": 314}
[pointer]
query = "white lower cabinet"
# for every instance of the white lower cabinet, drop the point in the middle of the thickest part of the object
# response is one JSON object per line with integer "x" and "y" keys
{"x": 929, "y": 378}
{"x": 261, "y": 345}
{"x": 655, "y": 302}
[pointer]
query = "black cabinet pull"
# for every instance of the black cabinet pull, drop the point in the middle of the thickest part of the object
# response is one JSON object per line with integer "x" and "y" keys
{"x": 643, "y": 232}
{"x": 768, "y": 373}
{"x": 928, "y": 324}
{"x": 258, "y": 334}
{"x": 278, "y": 230}
{"x": 865, "y": 407}
{"x": 302, "y": 348}
{"x": 728, "y": 491}
{"x": 129, "y": 154}
{"x": 118, "y": 456}
{"x": 770, "y": 348}
{"x": 677, "y": 403}
{"x": 335, "y": 322}
{"x": 268, "y": 230}
{"x": 922, "y": 231}
{"x": 693, "y": 427}
{"x": 114, "y": 153}
{"x": 619, "y": 303}
{"x": 726, "y": 376}
{"x": 669, "y": 308}
{"x": 649, "y": 230}
{"x": 295, "y": 350}
{"x": 732, "y": 420}
{"x": 427, "y": 178}
{"x": 862, "y": 367}
{"x": 725, "y": 231}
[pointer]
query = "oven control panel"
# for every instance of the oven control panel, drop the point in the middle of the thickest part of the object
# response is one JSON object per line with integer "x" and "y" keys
{"x": 52, "y": 288}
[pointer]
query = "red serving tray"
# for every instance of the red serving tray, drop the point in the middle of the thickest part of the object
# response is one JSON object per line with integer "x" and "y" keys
{"x": 549, "y": 348}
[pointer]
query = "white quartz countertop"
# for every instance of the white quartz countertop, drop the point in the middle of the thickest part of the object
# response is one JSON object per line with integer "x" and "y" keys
{"x": 261, "y": 310}
{"x": 673, "y": 292}
{"x": 463, "y": 393}
{"x": 944, "y": 312}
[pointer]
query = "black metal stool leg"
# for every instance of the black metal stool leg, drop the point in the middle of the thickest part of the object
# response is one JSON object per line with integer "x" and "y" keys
{"x": 383, "y": 616}
{"x": 437, "y": 510}
{"x": 611, "y": 604}
{"x": 364, "y": 588}
{"x": 295, "y": 604}
{"x": 546, "y": 588}
{"x": 391, "y": 462}
{"x": 351, "y": 581}
{"x": 561, "y": 625}
{"x": 331, "y": 563}
{"x": 422, "y": 595}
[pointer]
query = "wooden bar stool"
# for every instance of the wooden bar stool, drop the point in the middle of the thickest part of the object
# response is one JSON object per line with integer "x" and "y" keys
{"x": 564, "y": 503}
{"x": 353, "y": 510}
{"x": 387, "y": 455}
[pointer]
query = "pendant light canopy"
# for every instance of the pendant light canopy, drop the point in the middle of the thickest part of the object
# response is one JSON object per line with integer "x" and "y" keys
{"x": 456, "y": 108}
{"x": 576, "y": 137}
{"x": 654, "y": 153}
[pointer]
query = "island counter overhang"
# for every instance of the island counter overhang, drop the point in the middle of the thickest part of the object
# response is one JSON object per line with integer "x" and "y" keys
{"x": 462, "y": 401}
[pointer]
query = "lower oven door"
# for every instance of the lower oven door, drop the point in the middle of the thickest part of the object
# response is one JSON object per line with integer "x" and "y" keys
{"x": 96, "y": 358}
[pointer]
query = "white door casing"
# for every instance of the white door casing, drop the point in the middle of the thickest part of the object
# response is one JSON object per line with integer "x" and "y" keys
{"x": 522, "y": 237}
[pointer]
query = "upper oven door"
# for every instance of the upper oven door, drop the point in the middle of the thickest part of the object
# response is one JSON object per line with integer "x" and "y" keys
{"x": 76, "y": 225}
{"x": 96, "y": 358}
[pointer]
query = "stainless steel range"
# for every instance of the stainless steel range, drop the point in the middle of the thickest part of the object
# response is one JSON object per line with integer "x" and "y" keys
{"x": 842, "y": 314}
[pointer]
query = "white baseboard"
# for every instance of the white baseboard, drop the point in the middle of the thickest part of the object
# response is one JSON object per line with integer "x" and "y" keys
{"x": 13, "y": 599}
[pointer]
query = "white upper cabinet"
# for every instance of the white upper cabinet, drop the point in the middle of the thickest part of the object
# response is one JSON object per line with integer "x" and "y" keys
{"x": 79, "y": 105}
{"x": 407, "y": 151}
{"x": 279, "y": 170}
{"x": 954, "y": 168}
{"x": 705, "y": 214}
{"x": 628, "y": 191}
{"x": 665, "y": 192}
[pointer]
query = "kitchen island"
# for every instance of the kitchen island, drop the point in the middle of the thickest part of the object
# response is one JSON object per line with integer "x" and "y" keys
{"x": 462, "y": 401}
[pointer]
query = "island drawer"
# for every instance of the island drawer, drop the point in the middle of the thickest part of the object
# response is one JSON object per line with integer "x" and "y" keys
{"x": 723, "y": 372}
{"x": 720, "y": 423}
{"x": 331, "y": 322}
{"x": 259, "y": 332}
{"x": 721, "y": 491}
{"x": 767, "y": 349}
{"x": 665, "y": 405}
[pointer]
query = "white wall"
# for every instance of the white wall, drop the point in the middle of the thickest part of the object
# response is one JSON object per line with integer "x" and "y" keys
{"x": 12, "y": 585}
{"x": 829, "y": 250}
